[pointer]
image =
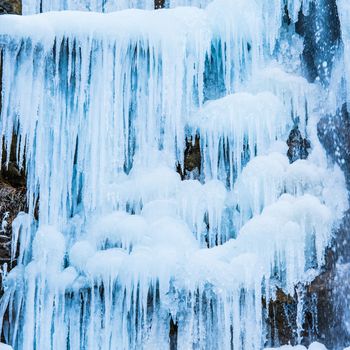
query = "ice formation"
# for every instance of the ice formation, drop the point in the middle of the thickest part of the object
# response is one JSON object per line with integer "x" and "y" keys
{"x": 122, "y": 248}
{"x": 37, "y": 6}
{"x": 5, "y": 347}
{"x": 313, "y": 346}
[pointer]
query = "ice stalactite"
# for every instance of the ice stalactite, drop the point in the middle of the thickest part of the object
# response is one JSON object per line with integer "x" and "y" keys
{"x": 37, "y": 6}
{"x": 123, "y": 250}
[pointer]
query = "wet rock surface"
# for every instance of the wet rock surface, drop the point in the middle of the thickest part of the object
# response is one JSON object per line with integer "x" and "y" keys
{"x": 333, "y": 287}
{"x": 281, "y": 319}
{"x": 334, "y": 133}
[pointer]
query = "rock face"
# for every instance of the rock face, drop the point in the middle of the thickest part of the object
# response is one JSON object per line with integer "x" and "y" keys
{"x": 281, "y": 319}
{"x": 326, "y": 300}
{"x": 326, "y": 307}
{"x": 192, "y": 160}
{"x": 327, "y": 297}
{"x": 10, "y": 7}
{"x": 334, "y": 133}
{"x": 331, "y": 289}
{"x": 12, "y": 199}
{"x": 327, "y": 303}
{"x": 12, "y": 179}
{"x": 159, "y": 4}
{"x": 298, "y": 147}
{"x": 320, "y": 42}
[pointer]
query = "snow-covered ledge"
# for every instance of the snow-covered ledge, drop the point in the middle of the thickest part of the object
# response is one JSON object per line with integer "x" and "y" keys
{"x": 313, "y": 346}
{"x": 5, "y": 347}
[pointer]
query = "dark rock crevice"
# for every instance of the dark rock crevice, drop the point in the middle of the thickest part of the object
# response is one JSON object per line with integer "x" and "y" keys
{"x": 191, "y": 168}
{"x": 298, "y": 146}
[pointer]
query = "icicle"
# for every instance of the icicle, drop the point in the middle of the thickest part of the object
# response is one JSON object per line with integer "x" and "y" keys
{"x": 236, "y": 128}
{"x": 300, "y": 312}
{"x": 103, "y": 104}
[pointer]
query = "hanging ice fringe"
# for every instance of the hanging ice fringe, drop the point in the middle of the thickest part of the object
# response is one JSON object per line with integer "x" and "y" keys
{"x": 123, "y": 250}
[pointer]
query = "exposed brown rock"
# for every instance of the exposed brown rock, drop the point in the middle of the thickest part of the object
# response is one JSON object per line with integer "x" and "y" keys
{"x": 192, "y": 159}
{"x": 281, "y": 319}
{"x": 10, "y": 172}
{"x": 12, "y": 201}
{"x": 10, "y": 7}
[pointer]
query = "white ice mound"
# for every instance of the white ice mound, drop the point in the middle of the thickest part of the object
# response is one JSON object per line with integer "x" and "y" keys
{"x": 237, "y": 127}
{"x": 313, "y": 346}
{"x": 267, "y": 177}
{"x": 5, "y": 347}
{"x": 49, "y": 247}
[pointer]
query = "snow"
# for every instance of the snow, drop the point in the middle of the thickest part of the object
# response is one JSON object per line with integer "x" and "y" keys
{"x": 36, "y": 6}
{"x": 49, "y": 247}
{"x": 102, "y": 104}
{"x": 231, "y": 124}
{"x": 105, "y": 263}
{"x": 313, "y": 346}
{"x": 317, "y": 346}
{"x": 5, "y": 347}
{"x": 79, "y": 254}
{"x": 118, "y": 229}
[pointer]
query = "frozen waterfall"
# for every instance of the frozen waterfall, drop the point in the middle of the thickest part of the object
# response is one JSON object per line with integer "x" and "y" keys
{"x": 123, "y": 250}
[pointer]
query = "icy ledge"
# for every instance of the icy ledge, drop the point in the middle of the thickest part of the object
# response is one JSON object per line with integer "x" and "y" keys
{"x": 5, "y": 347}
{"x": 313, "y": 346}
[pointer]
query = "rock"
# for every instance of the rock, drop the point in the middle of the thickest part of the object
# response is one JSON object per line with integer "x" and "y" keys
{"x": 192, "y": 160}
{"x": 12, "y": 201}
{"x": 5, "y": 347}
{"x": 334, "y": 134}
{"x": 159, "y": 4}
{"x": 317, "y": 346}
{"x": 327, "y": 297}
{"x": 298, "y": 146}
{"x": 12, "y": 175}
{"x": 173, "y": 333}
{"x": 331, "y": 292}
{"x": 10, "y": 7}
{"x": 318, "y": 47}
{"x": 281, "y": 319}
